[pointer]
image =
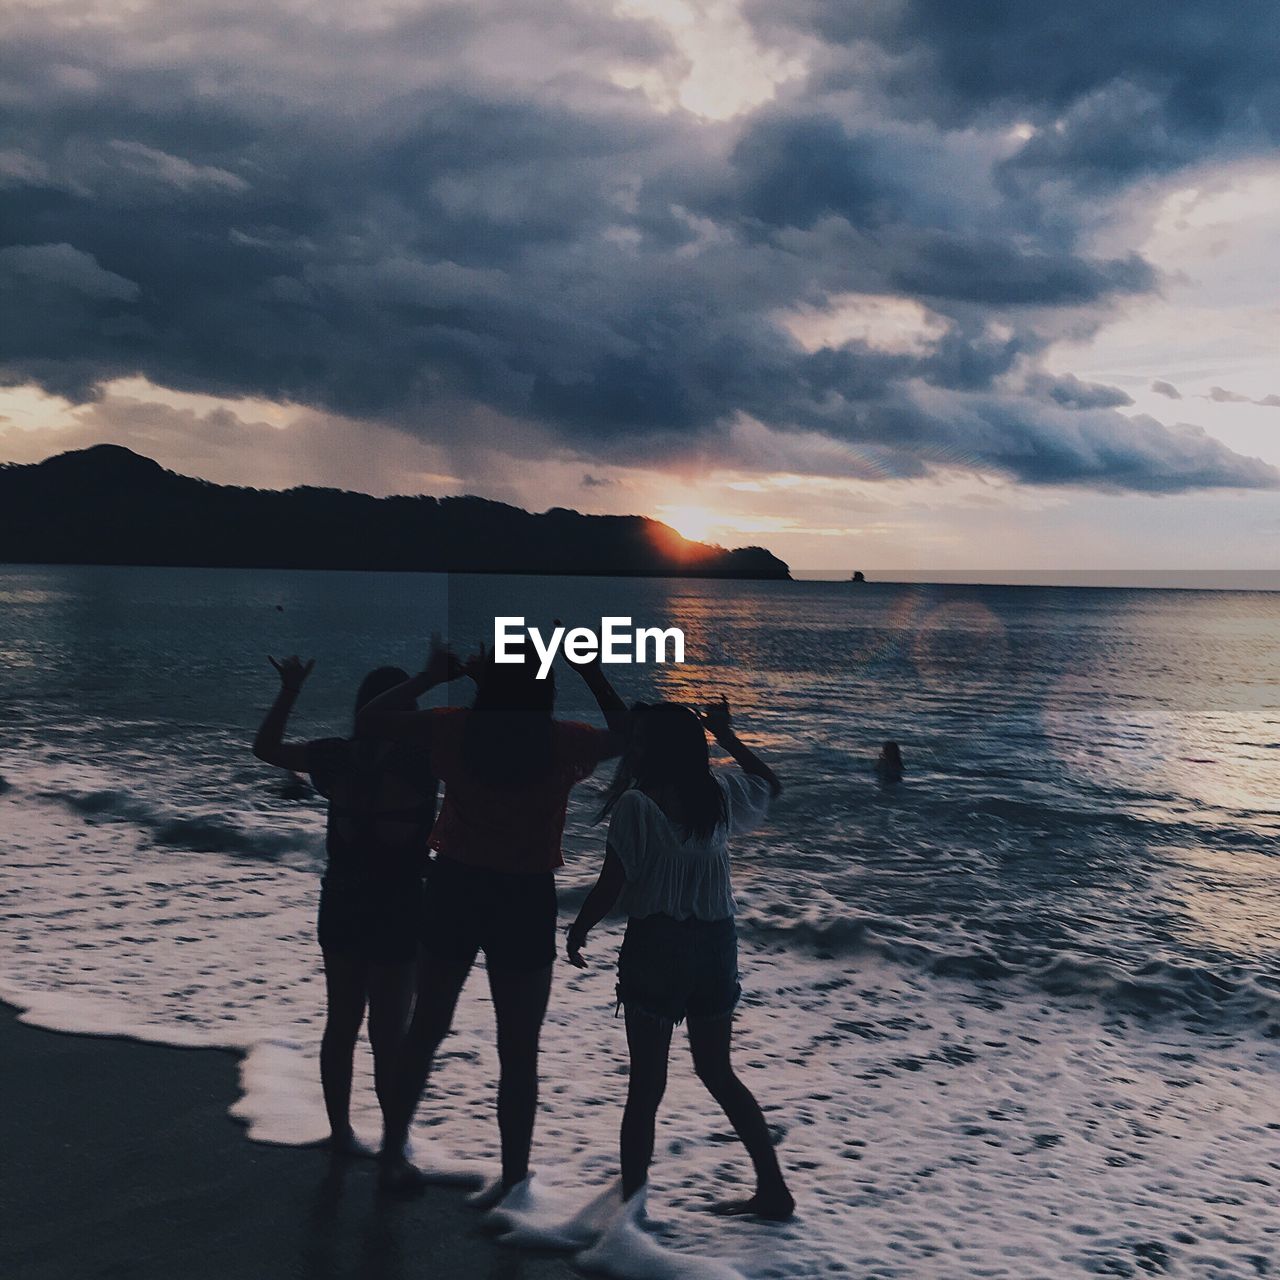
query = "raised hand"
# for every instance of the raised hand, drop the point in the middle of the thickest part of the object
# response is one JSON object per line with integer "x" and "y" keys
{"x": 292, "y": 671}
{"x": 474, "y": 663}
{"x": 442, "y": 663}
{"x": 717, "y": 718}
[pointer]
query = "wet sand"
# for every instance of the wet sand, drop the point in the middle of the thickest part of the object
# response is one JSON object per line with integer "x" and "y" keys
{"x": 120, "y": 1161}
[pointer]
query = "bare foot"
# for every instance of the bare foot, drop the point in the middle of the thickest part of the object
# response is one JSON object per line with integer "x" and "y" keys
{"x": 488, "y": 1195}
{"x": 400, "y": 1178}
{"x": 777, "y": 1206}
{"x": 346, "y": 1146}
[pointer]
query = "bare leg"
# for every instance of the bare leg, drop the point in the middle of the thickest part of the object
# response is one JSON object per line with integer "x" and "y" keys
{"x": 390, "y": 996}
{"x": 709, "y": 1042}
{"x": 649, "y": 1043}
{"x": 440, "y": 983}
{"x": 344, "y": 980}
{"x": 520, "y": 1004}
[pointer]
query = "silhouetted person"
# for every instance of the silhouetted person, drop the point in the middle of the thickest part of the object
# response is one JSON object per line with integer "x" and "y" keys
{"x": 667, "y": 864}
{"x": 382, "y": 804}
{"x": 508, "y": 768}
{"x": 889, "y": 766}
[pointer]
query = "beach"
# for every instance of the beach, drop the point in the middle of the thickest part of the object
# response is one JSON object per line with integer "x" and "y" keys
{"x": 677, "y": 597}
{"x": 1005, "y": 1135}
{"x": 1019, "y": 1017}
{"x": 121, "y": 1161}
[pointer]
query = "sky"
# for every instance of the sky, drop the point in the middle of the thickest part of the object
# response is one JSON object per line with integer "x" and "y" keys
{"x": 900, "y": 284}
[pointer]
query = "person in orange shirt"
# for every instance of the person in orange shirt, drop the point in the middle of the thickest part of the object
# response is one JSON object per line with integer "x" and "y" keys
{"x": 508, "y": 767}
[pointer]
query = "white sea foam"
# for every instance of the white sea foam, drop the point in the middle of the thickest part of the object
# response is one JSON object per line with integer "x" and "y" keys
{"x": 932, "y": 1126}
{"x": 606, "y": 1234}
{"x": 624, "y": 1250}
{"x": 561, "y": 1226}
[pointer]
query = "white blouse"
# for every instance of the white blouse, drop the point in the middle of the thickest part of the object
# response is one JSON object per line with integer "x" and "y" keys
{"x": 669, "y": 874}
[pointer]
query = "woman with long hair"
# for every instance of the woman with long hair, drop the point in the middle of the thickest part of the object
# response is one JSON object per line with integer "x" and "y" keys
{"x": 667, "y": 866}
{"x": 508, "y": 767}
{"x": 382, "y": 805}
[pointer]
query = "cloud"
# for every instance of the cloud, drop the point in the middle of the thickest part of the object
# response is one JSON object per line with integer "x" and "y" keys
{"x": 1043, "y": 442}
{"x": 236, "y": 448}
{"x": 37, "y": 269}
{"x": 1115, "y": 92}
{"x": 992, "y": 271}
{"x": 437, "y": 216}
{"x": 1072, "y": 393}
{"x": 64, "y": 318}
{"x": 1166, "y": 389}
{"x": 174, "y": 171}
{"x": 1082, "y": 447}
{"x": 1221, "y": 395}
{"x": 791, "y": 170}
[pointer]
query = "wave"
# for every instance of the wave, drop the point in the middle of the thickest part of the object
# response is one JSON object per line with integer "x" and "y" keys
{"x": 1201, "y": 995}
{"x": 1047, "y": 818}
{"x": 1235, "y": 995}
{"x": 194, "y": 833}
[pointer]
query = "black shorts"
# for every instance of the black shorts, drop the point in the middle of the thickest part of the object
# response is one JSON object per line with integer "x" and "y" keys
{"x": 673, "y": 969}
{"x": 378, "y": 922}
{"x": 511, "y": 918}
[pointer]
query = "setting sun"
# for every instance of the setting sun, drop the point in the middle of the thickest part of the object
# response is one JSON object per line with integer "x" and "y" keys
{"x": 690, "y": 521}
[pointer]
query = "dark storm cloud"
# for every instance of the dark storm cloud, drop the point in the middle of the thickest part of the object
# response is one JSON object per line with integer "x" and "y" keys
{"x": 390, "y": 218}
{"x": 1114, "y": 89}
{"x": 1055, "y": 444}
{"x": 1073, "y": 393}
{"x": 1083, "y": 445}
{"x": 792, "y": 171}
{"x": 1048, "y": 443}
{"x": 993, "y": 271}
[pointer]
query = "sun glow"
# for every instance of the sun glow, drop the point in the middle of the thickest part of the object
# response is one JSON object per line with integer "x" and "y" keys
{"x": 692, "y": 522}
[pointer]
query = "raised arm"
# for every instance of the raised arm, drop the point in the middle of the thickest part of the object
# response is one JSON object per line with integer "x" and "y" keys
{"x": 606, "y": 696}
{"x": 719, "y": 723}
{"x": 611, "y": 705}
{"x": 388, "y": 715}
{"x": 269, "y": 744}
{"x": 598, "y": 903}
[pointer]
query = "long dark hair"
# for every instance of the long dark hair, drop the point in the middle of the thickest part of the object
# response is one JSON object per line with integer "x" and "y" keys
{"x": 667, "y": 748}
{"x": 507, "y": 740}
{"x": 378, "y": 681}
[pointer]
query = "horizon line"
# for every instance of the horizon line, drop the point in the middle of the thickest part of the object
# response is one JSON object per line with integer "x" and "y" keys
{"x": 1096, "y": 579}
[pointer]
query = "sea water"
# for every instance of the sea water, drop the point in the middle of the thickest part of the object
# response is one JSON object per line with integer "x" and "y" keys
{"x": 1017, "y": 1016}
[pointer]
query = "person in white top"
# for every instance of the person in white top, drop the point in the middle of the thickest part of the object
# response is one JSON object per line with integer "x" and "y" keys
{"x": 667, "y": 866}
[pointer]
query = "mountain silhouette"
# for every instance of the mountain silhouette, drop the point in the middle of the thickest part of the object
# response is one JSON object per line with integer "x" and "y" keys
{"x": 109, "y": 505}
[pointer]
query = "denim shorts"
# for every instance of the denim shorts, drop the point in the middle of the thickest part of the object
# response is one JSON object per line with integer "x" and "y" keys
{"x": 676, "y": 969}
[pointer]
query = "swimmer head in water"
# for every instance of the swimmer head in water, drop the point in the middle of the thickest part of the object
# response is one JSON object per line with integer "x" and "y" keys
{"x": 889, "y": 764}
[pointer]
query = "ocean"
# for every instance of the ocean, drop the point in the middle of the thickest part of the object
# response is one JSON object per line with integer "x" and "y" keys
{"x": 1018, "y": 1016}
